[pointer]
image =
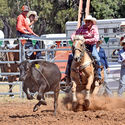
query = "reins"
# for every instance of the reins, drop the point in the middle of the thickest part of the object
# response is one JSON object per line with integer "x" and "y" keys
{"x": 81, "y": 67}
{"x": 43, "y": 77}
{"x": 78, "y": 49}
{"x": 82, "y": 51}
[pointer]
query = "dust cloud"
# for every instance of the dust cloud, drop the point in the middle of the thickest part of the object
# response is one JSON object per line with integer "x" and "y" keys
{"x": 96, "y": 102}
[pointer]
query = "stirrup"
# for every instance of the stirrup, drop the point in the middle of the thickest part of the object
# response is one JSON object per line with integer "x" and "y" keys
{"x": 101, "y": 67}
{"x": 97, "y": 66}
{"x": 97, "y": 77}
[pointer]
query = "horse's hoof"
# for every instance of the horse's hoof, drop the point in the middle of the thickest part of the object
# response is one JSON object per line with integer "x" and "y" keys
{"x": 74, "y": 106}
{"x": 35, "y": 108}
{"x": 30, "y": 97}
{"x": 86, "y": 103}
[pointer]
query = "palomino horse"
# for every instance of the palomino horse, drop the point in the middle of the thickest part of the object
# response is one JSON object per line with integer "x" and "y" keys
{"x": 82, "y": 73}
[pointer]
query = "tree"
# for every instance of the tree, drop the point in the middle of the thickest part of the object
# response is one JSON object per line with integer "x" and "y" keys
{"x": 69, "y": 12}
{"x": 4, "y": 13}
{"x": 66, "y": 15}
{"x": 53, "y": 14}
{"x": 106, "y": 9}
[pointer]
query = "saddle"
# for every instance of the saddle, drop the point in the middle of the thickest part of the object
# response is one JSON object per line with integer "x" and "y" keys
{"x": 94, "y": 62}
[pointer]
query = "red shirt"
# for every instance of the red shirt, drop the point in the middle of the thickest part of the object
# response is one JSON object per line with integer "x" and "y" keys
{"x": 91, "y": 35}
{"x": 22, "y": 25}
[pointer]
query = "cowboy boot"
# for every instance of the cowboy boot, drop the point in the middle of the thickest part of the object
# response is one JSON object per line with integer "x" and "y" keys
{"x": 68, "y": 80}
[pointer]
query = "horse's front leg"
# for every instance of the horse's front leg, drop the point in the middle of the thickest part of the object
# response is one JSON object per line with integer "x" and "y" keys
{"x": 74, "y": 98}
{"x": 56, "y": 95}
{"x": 87, "y": 91}
{"x": 96, "y": 88}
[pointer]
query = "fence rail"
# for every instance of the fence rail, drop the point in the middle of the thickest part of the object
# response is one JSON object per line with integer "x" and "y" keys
{"x": 113, "y": 77}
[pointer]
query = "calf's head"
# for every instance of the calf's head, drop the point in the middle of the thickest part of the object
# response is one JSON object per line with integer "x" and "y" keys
{"x": 25, "y": 70}
{"x": 25, "y": 73}
{"x": 29, "y": 87}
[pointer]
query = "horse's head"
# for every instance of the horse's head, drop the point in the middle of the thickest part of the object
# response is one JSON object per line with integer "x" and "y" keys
{"x": 78, "y": 47}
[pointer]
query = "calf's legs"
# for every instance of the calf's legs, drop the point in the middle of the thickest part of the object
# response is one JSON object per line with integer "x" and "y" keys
{"x": 40, "y": 97}
{"x": 38, "y": 105}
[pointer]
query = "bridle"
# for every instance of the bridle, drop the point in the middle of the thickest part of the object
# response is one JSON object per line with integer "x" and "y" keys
{"x": 80, "y": 50}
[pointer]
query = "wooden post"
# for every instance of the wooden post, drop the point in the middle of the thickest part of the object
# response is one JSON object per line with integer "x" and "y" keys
{"x": 80, "y": 13}
{"x": 87, "y": 8}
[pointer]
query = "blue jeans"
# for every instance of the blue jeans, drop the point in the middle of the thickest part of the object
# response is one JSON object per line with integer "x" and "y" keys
{"x": 93, "y": 50}
{"x": 69, "y": 63}
{"x": 122, "y": 81}
{"x": 105, "y": 88}
{"x": 50, "y": 55}
{"x": 29, "y": 43}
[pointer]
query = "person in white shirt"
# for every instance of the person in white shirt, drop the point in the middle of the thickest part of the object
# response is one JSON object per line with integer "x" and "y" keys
{"x": 1, "y": 34}
{"x": 32, "y": 17}
{"x": 1, "y": 37}
{"x": 121, "y": 60}
{"x": 2, "y": 55}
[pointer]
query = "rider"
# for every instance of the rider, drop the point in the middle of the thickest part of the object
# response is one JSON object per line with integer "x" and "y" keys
{"x": 90, "y": 32}
{"x": 23, "y": 30}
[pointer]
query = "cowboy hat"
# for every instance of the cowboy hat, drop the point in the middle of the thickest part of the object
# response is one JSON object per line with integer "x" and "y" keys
{"x": 122, "y": 23}
{"x": 32, "y": 13}
{"x": 89, "y": 17}
{"x": 25, "y": 8}
{"x": 122, "y": 41}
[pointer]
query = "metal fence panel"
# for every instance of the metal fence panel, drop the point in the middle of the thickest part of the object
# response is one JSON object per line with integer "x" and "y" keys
{"x": 113, "y": 77}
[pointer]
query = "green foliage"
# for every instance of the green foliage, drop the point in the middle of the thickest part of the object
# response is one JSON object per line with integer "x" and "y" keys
{"x": 1, "y": 24}
{"x": 4, "y": 10}
{"x": 106, "y": 9}
{"x": 53, "y": 14}
{"x": 122, "y": 8}
{"x": 12, "y": 21}
{"x": 66, "y": 15}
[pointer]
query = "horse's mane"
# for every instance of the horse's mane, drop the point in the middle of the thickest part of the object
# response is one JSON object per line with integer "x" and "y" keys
{"x": 79, "y": 37}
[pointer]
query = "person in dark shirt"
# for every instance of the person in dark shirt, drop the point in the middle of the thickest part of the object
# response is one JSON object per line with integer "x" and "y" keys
{"x": 105, "y": 88}
{"x": 121, "y": 60}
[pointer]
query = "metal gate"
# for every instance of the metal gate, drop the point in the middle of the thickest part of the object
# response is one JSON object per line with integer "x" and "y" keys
{"x": 64, "y": 43}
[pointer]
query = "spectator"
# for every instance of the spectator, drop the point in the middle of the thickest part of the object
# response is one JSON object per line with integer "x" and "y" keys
{"x": 122, "y": 26}
{"x": 2, "y": 55}
{"x": 1, "y": 37}
{"x": 32, "y": 18}
{"x": 105, "y": 88}
{"x": 121, "y": 60}
{"x": 23, "y": 30}
{"x": 50, "y": 45}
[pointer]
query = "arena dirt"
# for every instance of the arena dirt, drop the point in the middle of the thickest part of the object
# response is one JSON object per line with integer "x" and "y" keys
{"x": 103, "y": 111}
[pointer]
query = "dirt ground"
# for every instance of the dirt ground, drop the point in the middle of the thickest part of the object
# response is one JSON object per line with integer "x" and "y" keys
{"x": 103, "y": 111}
